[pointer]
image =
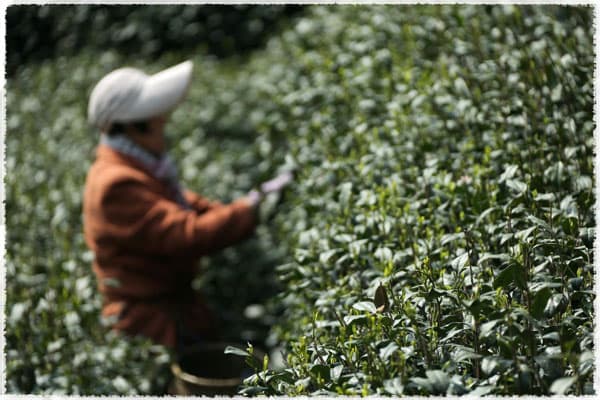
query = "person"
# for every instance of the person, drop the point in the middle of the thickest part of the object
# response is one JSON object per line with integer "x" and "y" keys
{"x": 147, "y": 232}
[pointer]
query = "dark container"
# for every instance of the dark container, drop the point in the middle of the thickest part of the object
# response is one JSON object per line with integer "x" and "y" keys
{"x": 206, "y": 370}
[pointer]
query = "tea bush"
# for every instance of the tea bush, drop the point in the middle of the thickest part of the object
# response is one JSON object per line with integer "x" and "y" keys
{"x": 441, "y": 228}
{"x": 438, "y": 238}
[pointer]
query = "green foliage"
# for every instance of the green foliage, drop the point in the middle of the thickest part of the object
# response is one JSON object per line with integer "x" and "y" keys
{"x": 55, "y": 342}
{"x": 40, "y": 32}
{"x": 444, "y": 154}
{"x": 438, "y": 238}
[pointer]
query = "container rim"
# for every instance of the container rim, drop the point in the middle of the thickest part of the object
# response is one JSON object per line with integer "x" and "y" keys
{"x": 202, "y": 381}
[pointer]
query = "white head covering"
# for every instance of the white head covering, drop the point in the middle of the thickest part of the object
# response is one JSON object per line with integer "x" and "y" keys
{"x": 128, "y": 94}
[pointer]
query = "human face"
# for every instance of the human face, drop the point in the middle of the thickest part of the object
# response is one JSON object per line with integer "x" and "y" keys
{"x": 154, "y": 139}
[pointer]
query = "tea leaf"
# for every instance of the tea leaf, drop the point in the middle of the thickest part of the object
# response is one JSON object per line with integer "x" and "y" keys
{"x": 540, "y": 301}
{"x": 336, "y": 372}
{"x": 394, "y": 386}
{"x": 236, "y": 351}
{"x": 386, "y": 352}
{"x": 562, "y": 385}
{"x": 367, "y": 306}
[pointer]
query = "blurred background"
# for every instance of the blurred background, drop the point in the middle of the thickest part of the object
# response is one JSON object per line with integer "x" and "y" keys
{"x": 36, "y": 33}
{"x": 56, "y": 341}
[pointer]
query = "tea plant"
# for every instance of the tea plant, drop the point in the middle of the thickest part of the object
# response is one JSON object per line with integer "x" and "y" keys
{"x": 438, "y": 238}
{"x": 440, "y": 231}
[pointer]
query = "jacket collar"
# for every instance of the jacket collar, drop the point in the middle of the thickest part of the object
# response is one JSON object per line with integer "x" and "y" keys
{"x": 106, "y": 153}
{"x": 124, "y": 151}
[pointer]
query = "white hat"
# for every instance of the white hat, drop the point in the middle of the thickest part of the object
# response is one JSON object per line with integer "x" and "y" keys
{"x": 128, "y": 94}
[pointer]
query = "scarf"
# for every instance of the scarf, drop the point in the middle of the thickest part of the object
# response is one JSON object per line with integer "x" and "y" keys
{"x": 162, "y": 168}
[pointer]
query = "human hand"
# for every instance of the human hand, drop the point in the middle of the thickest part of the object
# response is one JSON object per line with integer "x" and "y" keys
{"x": 254, "y": 198}
{"x": 277, "y": 183}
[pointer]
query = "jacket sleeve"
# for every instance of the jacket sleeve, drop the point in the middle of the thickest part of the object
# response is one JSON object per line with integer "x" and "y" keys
{"x": 146, "y": 221}
{"x": 199, "y": 203}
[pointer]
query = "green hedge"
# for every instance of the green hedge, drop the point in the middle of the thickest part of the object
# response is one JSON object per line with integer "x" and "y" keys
{"x": 445, "y": 163}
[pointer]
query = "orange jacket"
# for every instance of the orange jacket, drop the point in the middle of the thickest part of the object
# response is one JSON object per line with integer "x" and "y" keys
{"x": 146, "y": 246}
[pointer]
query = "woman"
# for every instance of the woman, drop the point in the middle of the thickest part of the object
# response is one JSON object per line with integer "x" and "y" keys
{"x": 146, "y": 232}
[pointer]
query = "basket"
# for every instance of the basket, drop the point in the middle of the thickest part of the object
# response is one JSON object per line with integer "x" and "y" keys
{"x": 206, "y": 370}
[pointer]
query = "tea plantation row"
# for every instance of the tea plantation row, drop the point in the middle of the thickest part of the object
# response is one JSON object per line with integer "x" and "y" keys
{"x": 441, "y": 229}
{"x": 438, "y": 238}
